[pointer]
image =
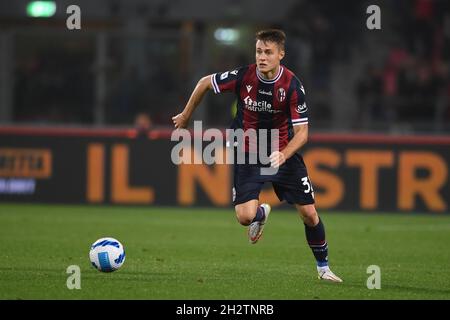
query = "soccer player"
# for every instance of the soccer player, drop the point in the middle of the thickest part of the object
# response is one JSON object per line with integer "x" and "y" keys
{"x": 269, "y": 96}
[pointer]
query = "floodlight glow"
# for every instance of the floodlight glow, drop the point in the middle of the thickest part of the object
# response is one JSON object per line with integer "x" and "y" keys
{"x": 226, "y": 35}
{"x": 41, "y": 9}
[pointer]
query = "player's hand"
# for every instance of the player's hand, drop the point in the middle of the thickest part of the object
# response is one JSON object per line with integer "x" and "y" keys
{"x": 180, "y": 121}
{"x": 277, "y": 158}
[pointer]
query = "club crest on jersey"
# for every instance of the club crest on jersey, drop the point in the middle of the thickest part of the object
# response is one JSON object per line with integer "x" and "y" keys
{"x": 301, "y": 108}
{"x": 281, "y": 94}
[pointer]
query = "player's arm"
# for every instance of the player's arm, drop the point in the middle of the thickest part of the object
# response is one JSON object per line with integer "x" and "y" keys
{"x": 219, "y": 82}
{"x": 277, "y": 158}
{"x": 181, "y": 120}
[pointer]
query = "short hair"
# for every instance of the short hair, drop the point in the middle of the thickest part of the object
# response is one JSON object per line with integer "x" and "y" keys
{"x": 272, "y": 35}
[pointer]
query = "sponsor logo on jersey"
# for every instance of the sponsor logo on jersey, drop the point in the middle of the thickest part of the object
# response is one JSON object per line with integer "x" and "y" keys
{"x": 301, "y": 108}
{"x": 259, "y": 106}
{"x": 267, "y": 93}
{"x": 248, "y": 88}
{"x": 281, "y": 94}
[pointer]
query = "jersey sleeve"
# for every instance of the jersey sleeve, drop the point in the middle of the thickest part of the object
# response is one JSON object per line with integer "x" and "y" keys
{"x": 297, "y": 105}
{"x": 225, "y": 81}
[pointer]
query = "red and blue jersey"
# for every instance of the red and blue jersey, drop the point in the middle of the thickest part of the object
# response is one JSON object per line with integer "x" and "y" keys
{"x": 265, "y": 104}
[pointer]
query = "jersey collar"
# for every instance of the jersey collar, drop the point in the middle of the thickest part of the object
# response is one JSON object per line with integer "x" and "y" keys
{"x": 260, "y": 77}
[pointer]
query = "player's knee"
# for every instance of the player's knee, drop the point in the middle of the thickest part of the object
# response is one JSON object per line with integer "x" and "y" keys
{"x": 245, "y": 216}
{"x": 245, "y": 213}
{"x": 309, "y": 215}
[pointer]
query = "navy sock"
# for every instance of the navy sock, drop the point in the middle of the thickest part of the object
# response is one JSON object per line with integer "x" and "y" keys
{"x": 259, "y": 214}
{"x": 316, "y": 241}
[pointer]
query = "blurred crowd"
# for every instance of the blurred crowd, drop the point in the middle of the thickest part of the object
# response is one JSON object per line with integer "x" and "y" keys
{"x": 406, "y": 86}
{"x": 411, "y": 85}
{"x": 53, "y": 80}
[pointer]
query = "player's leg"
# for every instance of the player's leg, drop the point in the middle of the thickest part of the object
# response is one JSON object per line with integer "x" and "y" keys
{"x": 315, "y": 233}
{"x": 293, "y": 185}
{"x": 315, "y": 236}
{"x": 247, "y": 186}
{"x": 247, "y": 212}
{"x": 253, "y": 215}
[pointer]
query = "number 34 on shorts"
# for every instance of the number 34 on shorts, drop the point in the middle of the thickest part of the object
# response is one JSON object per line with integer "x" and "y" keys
{"x": 307, "y": 186}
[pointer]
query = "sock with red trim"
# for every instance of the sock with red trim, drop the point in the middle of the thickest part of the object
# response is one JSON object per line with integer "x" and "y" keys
{"x": 315, "y": 236}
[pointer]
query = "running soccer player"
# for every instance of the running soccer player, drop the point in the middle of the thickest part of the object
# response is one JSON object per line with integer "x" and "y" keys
{"x": 269, "y": 96}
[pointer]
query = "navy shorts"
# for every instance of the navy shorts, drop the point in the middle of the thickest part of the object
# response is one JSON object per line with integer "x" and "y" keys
{"x": 291, "y": 182}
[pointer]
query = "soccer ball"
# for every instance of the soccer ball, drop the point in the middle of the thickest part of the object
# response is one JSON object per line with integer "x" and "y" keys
{"x": 107, "y": 254}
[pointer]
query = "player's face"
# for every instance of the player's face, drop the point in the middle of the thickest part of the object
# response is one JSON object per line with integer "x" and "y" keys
{"x": 268, "y": 56}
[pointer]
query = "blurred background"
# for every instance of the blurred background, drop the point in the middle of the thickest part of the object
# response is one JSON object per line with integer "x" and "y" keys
{"x": 145, "y": 56}
{"x": 85, "y": 123}
{"x": 85, "y": 114}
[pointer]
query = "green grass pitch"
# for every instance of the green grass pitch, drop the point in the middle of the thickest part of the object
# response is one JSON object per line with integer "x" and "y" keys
{"x": 178, "y": 253}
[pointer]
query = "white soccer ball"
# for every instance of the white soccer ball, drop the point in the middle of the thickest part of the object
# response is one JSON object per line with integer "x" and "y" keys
{"x": 107, "y": 254}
